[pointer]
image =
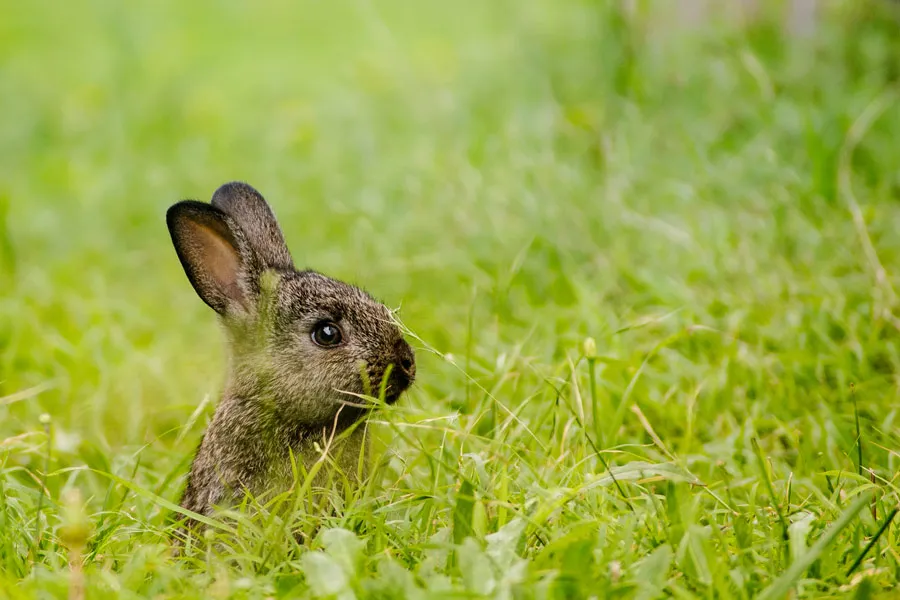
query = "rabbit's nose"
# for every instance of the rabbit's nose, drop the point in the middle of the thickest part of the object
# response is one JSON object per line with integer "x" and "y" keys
{"x": 403, "y": 372}
{"x": 407, "y": 359}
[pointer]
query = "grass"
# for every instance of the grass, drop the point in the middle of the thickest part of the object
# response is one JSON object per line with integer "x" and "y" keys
{"x": 651, "y": 270}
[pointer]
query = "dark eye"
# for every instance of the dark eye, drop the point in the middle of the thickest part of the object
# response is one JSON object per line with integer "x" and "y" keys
{"x": 327, "y": 333}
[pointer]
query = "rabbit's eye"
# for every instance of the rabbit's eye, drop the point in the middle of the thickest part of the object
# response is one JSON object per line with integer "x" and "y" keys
{"x": 327, "y": 333}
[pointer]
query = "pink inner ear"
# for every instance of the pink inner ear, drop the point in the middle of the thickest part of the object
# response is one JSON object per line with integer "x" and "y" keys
{"x": 220, "y": 260}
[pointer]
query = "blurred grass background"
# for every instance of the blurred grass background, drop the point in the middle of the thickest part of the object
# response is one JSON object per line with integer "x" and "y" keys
{"x": 516, "y": 176}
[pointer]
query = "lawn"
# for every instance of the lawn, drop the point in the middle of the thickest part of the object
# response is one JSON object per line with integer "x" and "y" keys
{"x": 650, "y": 269}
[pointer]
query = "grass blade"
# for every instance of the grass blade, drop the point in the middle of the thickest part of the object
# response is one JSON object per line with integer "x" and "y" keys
{"x": 781, "y": 586}
{"x": 872, "y": 542}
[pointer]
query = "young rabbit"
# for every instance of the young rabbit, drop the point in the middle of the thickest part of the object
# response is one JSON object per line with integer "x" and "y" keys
{"x": 302, "y": 347}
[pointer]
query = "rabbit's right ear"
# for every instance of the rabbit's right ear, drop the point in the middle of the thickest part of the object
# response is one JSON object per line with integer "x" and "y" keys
{"x": 211, "y": 251}
{"x": 254, "y": 216}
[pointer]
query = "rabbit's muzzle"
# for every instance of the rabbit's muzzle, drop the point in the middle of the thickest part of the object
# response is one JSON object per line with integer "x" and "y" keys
{"x": 403, "y": 371}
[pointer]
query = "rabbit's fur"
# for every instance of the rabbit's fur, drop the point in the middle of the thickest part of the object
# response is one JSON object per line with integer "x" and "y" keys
{"x": 284, "y": 392}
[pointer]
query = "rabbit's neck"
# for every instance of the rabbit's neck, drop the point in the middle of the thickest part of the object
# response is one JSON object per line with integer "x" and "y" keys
{"x": 247, "y": 447}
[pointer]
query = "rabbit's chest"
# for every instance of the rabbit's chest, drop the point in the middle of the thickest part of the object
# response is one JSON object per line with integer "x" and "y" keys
{"x": 318, "y": 463}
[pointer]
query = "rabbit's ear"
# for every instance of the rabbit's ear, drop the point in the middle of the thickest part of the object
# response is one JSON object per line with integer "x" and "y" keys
{"x": 252, "y": 214}
{"x": 209, "y": 247}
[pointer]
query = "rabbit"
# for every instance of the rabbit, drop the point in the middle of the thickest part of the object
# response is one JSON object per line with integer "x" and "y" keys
{"x": 303, "y": 346}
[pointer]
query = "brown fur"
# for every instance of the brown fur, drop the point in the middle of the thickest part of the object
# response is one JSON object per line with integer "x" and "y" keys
{"x": 283, "y": 393}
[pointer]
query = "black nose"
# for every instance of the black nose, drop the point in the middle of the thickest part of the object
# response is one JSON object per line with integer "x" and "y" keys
{"x": 403, "y": 372}
{"x": 406, "y": 360}
{"x": 407, "y": 364}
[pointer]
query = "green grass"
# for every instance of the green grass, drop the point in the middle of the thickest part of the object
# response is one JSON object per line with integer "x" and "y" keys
{"x": 715, "y": 206}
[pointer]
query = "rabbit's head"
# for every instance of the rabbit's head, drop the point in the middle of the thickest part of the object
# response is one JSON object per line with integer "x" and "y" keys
{"x": 303, "y": 344}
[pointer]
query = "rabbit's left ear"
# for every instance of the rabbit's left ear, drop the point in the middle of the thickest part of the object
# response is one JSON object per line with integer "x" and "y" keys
{"x": 212, "y": 253}
{"x": 252, "y": 214}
